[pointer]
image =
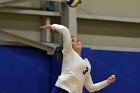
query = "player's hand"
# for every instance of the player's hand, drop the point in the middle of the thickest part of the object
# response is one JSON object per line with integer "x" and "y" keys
{"x": 47, "y": 27}
{"x": 111, "y": 79}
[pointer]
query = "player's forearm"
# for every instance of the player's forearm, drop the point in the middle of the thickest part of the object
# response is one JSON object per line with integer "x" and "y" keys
{"x": 100, "y": 85}
{"x": 60, "y": 28}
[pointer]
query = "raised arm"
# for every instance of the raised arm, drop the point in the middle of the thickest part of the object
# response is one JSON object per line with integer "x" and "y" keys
{"x": 67, "y": 46}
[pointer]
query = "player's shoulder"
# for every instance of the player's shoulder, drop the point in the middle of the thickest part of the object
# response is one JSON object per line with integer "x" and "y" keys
{"x": 87, "y": 61}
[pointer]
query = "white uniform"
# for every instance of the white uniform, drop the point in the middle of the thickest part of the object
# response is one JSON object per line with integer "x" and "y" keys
{"x": 75, "y": 71}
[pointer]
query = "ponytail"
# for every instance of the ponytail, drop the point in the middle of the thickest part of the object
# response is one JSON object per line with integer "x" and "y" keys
{"x": 59, "y": 54}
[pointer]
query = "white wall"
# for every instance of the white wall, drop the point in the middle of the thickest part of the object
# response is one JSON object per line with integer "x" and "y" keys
{"x": 3, "y": 1}
{"x": 121, "y": 8}
{"x": 91, "y": 32}
{"x": 110, "y": 41}
{"x": 24, "y": 3}
{"x": 23, "y": 25}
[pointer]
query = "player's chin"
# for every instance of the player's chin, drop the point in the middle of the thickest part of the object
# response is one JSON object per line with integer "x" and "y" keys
{"x": 79, "y": 47}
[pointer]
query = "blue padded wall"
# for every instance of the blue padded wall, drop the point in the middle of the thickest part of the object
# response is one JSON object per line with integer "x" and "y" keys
{"x": 24, "y": 70}
{"x": 125, "y": 65}
{"x": 56, "y": 65}
{"x": 6, "y": 71}
{"x": 30, "y": 70}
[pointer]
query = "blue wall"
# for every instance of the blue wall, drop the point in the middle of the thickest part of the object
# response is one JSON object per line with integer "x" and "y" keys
{"x": 30, "y": 70}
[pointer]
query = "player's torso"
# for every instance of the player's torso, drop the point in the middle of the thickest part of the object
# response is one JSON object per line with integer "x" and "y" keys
{"x": 73, "y": 63}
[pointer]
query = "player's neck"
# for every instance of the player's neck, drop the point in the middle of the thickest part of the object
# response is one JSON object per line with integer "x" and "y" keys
{"x": 78, "y": 52}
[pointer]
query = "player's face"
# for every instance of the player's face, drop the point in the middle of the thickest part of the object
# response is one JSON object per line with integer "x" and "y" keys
{"x": 76, "y": 44}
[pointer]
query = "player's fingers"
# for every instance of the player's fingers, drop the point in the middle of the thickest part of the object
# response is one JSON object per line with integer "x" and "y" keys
{"x": 111, "y": 79}
{"x": 45, "y": 26}
{"x": 113, "y": 75}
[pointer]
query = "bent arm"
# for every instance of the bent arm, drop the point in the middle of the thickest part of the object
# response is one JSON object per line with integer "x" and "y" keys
{"x": 67, "y": 46}
{"x": 94, "y": 87}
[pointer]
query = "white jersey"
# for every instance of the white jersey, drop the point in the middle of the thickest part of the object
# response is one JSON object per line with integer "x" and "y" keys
{"x": 75, "y": 71}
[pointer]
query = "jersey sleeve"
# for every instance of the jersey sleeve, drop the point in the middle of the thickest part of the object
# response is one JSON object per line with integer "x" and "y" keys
{"x": 67, "y": 45}
{"x": 94, "y": 87}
